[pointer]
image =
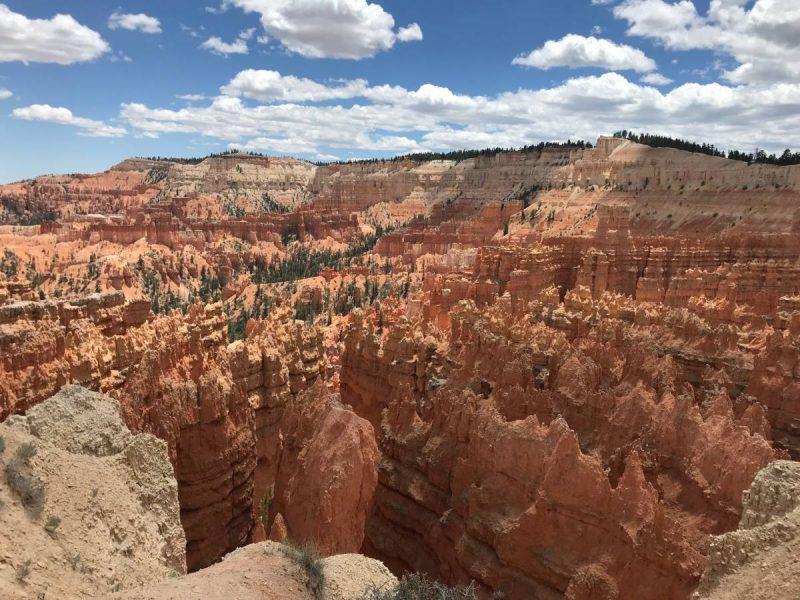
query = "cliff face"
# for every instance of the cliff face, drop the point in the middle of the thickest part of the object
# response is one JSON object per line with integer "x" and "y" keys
{"x": 220, "y": 408}
{"x": 47, "y": 198}
{"x": 528, "y": 454}
{"x": 243, "y": 180}
{"x": 106, "y": 520}
{"x": 556, "y": 374}
{"x": 46, "y": 344}
{"x": 327, "y": 448}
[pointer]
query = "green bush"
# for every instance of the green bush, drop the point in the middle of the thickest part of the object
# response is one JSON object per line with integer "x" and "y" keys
{"x": 26, "y": 452}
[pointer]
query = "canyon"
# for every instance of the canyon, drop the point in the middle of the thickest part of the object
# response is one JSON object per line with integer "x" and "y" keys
{"x": 551, "y": 373}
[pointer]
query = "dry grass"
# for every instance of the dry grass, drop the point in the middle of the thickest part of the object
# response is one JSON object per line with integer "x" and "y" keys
{"x": 307, "y": 556}
{"x": 420, "y": 587}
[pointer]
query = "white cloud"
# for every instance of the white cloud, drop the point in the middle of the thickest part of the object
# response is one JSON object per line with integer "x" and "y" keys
{"x": 271, "y": 86}
{"x": 134, "y": 22}
{"x": 192, "y": 97}
{"x": 120, "y": 57}
{"x": 64, "y": 116}
{"x": 350, "y": 29}
{"x": 761, "y": 39}
{"x": 412, "y": 33}
{"x": 61, "y": 40}
{"x": 5, "y": 94}
{"x": 395, "y": 120}
{"x": 191, "y": 31}
{"x": 579, "y": 51}
{"x": 238, "y": 46}
{"x": 656, "y": 79}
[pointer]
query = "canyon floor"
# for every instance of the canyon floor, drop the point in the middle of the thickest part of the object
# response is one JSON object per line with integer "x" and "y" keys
{"x": 569, "y": 372}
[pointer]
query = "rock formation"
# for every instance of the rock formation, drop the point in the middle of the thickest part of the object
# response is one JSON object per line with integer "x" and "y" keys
{"x": 266, "y": 571}
{"x": 327, "y": 474}
{"x": 603, "y": 458}
{"x": 551, "y": 372}
{"x": 107, "y": 519}
{"x": 105, "y": 516}
{"x": 760, "y": 558}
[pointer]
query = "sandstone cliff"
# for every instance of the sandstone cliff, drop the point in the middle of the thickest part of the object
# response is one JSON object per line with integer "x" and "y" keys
{"x": 555, "y": 376}
{"x": 528, "y": 460}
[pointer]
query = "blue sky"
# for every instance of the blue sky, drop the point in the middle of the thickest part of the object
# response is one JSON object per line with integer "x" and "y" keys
{"x": 321, "y": 79}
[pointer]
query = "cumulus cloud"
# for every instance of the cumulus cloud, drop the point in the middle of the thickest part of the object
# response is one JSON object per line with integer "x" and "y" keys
{"x": 64, "y": 116}
{"x": 762, "y": 39}
{"x": 5, "y": 94}
{"x": 289, "y": 118}
{"x": 238, "y": 46}
{"x": 656, "y": 79}
{"x": 271, "y": 86}
{"x": 412, "y": 33}
{"x": 350, "y": 29}
{"x": 134, "y": 22}
{"x": 578, "y": 51}
{"x": 61, "y": 39}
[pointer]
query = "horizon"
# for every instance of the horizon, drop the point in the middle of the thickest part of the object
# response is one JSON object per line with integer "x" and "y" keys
{"x": 83, "y": 86}
{"x": 673, "y": 143}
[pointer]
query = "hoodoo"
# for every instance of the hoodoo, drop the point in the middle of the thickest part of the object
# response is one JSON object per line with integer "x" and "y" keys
{"x": 547, "y": 386}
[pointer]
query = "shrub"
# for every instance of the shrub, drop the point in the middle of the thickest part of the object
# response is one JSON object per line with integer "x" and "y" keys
{"x": 2, "y": 444}
{"x": 308, "y": 558}
{"x": 23, "y": 570}
{"x": 419, "y": 587}
{"x": 23, "y": 482}
{"x": 74, "y": 561}
{"x": 26, "y": 452}
{"x": 52, "y": 524}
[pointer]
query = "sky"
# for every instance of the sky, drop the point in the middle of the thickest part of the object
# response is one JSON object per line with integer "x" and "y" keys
{"x": 87, "y": 83}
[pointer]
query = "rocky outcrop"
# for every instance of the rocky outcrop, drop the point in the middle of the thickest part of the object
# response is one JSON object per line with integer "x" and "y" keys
{"x": 608, "y": 466}
{"x": 45, "y": 344}
{"x": 759, "y": 559}
{"x": 569, "y": 364}
{"x": 327, "y": 473}
{"x": 243, "y": 180}
{"x": 107, "y": 515}
{"x": 108, "y": 525}
{"x": 34, "y": 201}
{"x": 267, "y": 571}
{"x": 182, "y": 392}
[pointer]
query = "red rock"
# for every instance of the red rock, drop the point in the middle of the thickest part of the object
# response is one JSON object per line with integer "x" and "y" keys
{"x": 327, "y": 473}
